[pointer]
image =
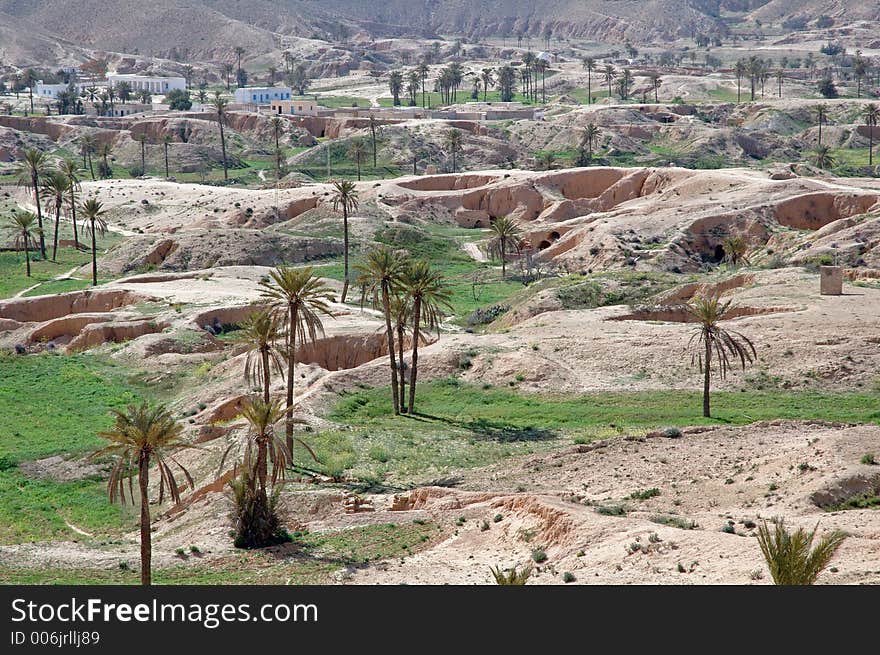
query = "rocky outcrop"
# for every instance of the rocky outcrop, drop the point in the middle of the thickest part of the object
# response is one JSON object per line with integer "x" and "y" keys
{"x": 45, "y": 308}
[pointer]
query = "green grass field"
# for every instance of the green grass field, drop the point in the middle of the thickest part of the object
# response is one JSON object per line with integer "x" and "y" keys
{"x": 54, "y": 404}
{"x": 310, "y": 559}
{"x": 462, "y": 425}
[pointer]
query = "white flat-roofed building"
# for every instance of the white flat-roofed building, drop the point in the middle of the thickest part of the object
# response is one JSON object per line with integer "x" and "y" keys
{"x": 153, "y": 84}
{"x": 261, "y": 95}
{"x": 51, "y": 91}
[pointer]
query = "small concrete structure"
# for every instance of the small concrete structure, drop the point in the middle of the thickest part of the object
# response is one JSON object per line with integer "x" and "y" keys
{"x": 296, "y": 107}
{"x": 831, "y": 280}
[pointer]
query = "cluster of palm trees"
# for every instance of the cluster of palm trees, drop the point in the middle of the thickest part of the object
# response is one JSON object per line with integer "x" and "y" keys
{"x": 870, "y": 115}
{"x": 55, "y": 185}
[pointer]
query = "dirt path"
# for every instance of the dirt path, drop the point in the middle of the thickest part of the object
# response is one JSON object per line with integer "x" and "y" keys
{"x": 474, "y": 251}
{"x": 62, "y": 276}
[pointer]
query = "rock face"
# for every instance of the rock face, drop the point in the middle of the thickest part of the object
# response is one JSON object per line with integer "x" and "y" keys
{"x": 46, "y": 308}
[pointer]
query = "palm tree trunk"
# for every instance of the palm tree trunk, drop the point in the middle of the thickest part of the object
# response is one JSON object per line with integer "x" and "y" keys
{"x": 94, "y": 256}
{"x": 390, "y": 331}
{"x": 291, "y": 365}
{"x": 223, "y": 146}
{"x": 55, "y": 237}
{"x": 870, "y": 145}
{"x": 589, "y": 87}
{"x": 73, "y": 217}
{"x": 706, "y": 380}
{"x": 35, "y": 181}
{"x": 345, "y": 249}
{"x": 503, "y": 258}
{"x": 402, "y": 381}
{"x": 27, "y": 256}
{"x": 146, "y": 538}
{"x": 166, "y": 160}
{"x": 91, "y": 167}
{"x": 262, "y": 465}
{"x": 414, "y": 358}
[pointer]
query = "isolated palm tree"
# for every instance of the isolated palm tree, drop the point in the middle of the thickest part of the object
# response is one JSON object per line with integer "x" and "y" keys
{"x": 713, "y": 345}
{"x": 167, "y": 140}
{"x": 303, "y": 298}
{"x": 140, "y": 436}
{"x": 791, "y": 557}
{"x": 609, "y": 77}
{"x": 871, "y": 114}
{"x": 506, "y": 237}
{"x": 588, "y": 139}
{"x": 735, "y": 249}
{"x": 740, "y": 70}
{"x": 373, "y": 137}
{"x": 261, "y": 332}
{"x": 142, "y": 140}
{"x": 824, "y": 158}
{"x": 23, "y": 225}
{"x": 454, "y": 141}
{"x": 357, "y": 150}
{"x": 380, "y": 278}
{"x": 395, "y": 85}
{"x": 821, "y": 117}
{"x": 589, "y": 65}
{"x": 53, "y": 190}
{"x": 72, "y": 173}
{"x": 263, "y": 445}
{"x": 430, "y": 297}
{"x": 345, "y": 197}
{"x": 487, "y": 77}
{"x": 92, "y": 212}
{"x": 30, "y": 172}
{"x": 219, "y": 103}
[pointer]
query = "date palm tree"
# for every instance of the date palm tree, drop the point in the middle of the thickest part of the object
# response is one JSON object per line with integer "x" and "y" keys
{"x": 142, "y": 140}
{"x": 23, "y": 225}
{"x": 30, "y": 173}
{"x": 454, "y": 141}
{"x": 401, "y": 314}
{"x": 357, "y": 150}
{"x": 263, "y": 446}
{"x": 871, "y": 114}
{"x": 304, "y": 299}
{"x": 824, "y": 158}
{"x": 739, "y": 70}
{"x": 167, "y": 140}
{"x": 506, "y": 237}
{"x": 345, "y": 197}
{"x": 380, "y": 277}
{"x": 92, "y": 212}
{"x": 791, "y": 557}
{"x": 373, "y": 137}
{"x": 395, "y": 85}
{"x": 88, "y": 147}
{"x": 589, "y": 65}
{"x": 715, "y": 346}
{"x": 72, "y": 173}
{"x": 609, "y": 77}
{"x": 589, "y": 137}
{"x": 53, "y": 190}
{"x": 430, "y": 297}
{"x": 260, "y": 333}
{"x": 219, "y": 103}
{"x": 141, "y": 436}
{"x": 821, "y": 117}
{"x": 487, "y": 77}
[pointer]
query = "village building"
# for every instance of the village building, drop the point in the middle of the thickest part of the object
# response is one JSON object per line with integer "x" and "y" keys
{"x": 153, "y": 84}
{"x": 261, "y": 95}
{"x": 295, "y": 107}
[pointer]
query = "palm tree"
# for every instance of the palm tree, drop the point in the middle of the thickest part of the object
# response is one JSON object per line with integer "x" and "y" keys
{"x": 167, "y": 140}
{"x": 104, "y": 152}
{"x": 357, "y": 151}
{"x": 239, "y": 51}
{"x": 142, "y": 139}
{"x": 655, "y": 83}
{"x": 589, "y": 65}
{"x": 430, "y": 296}
{"x": 72, "y": 173}
{"x": 821, "y": 117}
{"x": 31, "y": 170}
{"x": 740, "y": 71}
{"x": 395, "y": 85}
{"x": 401, "y": 313}
{"x": 23, "y": 226}
{"x": 780, "y": 77}
{"x": 53, "y": 189}
{"x": 373, "y": 137}
{"x": 871, "y": 114}
{"x": 261, "y": 332}
{"x": 92, "y": 211}
{"x": 588, "y": 139}
{"x": 454, "y": 140}
{"x": 423, "y": 71}
{"x": 546, "y": 160}
{"x": 713, "y": 344}
{"x": 219, "y": 104}
{"x": 303, "y": 298}
{"x": 735, "y": 248}
{"x": 227, "y": 71}
{"x": 262, "y": 415}
{"x": 488, "y": 80}
{"x": 87, "y": 147}
{"x": 824, "y": 159}
{"x": 380, "y": 278}
{"x": 609, "y": 77}
{"x": 791, "y": 558}
{"x": 506, "y": 237}
{"x": 345, "y": 197}
{"x": 140, "y": 436}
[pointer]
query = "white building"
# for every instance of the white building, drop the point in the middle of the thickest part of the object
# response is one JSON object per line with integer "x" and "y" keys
{"x": 158, "y": 85}
{"x": 261, "y": 95}
{"x": 51, "y": 91}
